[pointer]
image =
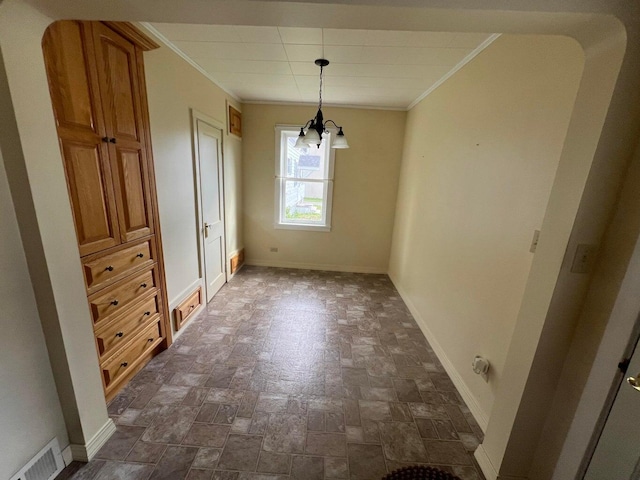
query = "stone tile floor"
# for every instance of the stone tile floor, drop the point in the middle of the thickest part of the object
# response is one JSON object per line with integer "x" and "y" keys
{"x": 291, "y": 374}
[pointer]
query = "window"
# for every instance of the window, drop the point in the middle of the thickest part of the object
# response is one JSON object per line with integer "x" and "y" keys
{"x": 304, "y": 182}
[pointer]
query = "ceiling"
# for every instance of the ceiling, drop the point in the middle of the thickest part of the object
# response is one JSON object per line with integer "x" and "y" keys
{"x": 369, "y": 68}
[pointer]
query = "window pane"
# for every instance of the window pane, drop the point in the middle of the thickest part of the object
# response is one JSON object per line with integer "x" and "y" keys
{"x": 307, "y": 162}
{"x": 304, "y": 202}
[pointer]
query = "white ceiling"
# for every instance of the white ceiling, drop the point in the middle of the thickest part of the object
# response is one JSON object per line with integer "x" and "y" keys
{"x": 373, "y": 68}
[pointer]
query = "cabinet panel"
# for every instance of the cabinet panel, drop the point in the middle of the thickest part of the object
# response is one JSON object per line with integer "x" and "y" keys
{"x": 120, "y": 331}
{"x": 117, "y": 73}
{"x": 75, "y": 97}
{"x": 133, "y": 196}
{"x": 91, "y": 196}
{"x": 120, "y": 364}
{"x": 112, "y": 301}
{"x": 102, "y": 270}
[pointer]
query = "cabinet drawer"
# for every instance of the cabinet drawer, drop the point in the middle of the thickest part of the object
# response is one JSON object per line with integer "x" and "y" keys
{"x": 187, "y": 307}
{"x": 100, "y": 271}
{"x": 115, "y": 299}
{"x": 127, "y": 359}
{"x": 117, "y": 333}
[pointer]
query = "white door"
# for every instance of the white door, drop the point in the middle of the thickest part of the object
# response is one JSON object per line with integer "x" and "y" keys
{"x": 212, "y": 198}
{"x": 617, "y": 453}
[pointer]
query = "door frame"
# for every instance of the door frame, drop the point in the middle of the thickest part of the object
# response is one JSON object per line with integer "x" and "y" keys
{"x": 203, "y": 117}
{"x": 633, "y": 345}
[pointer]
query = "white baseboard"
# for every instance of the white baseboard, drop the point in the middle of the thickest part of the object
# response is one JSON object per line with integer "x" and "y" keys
{"x": 485, "y": 464}
{"x": 84, "y": 453}
{"x": 478, "y": 413}
{"x": 316, "y": 266}
{"x": 67, "y": 456}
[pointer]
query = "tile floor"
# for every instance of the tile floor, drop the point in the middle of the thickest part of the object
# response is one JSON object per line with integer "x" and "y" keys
{"x": 291, "y": 374}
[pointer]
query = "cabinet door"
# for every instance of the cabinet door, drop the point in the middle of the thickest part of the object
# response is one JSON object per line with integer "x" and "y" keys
{"x": 120, "y": 79}
{"x": 76, "y": 103}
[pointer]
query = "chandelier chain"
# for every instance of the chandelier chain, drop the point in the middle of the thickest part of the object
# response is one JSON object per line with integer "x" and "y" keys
{"x": 320, "y": 103}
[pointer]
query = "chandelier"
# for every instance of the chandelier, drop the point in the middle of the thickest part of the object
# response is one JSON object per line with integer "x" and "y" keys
{"x": 318, "y": 125}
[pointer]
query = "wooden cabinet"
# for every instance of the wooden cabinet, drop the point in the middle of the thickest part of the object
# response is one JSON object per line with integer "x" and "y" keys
{"x": 96, "y": 80}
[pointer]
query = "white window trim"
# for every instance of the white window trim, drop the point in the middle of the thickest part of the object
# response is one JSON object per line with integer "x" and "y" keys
{"x": 280, "y": 179}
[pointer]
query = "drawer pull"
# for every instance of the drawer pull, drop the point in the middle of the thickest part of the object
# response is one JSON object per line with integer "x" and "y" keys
{"x": 124, "y": 364}
{"x": 147, "y": 313}
{"x": 114, "y": 303}
{"x": 150, "y": 339}
{"x": 140, "y": 255}
{"x": 109, "y": 268}
{"x": 119, "y": 334}
{"x": 191, "y": 307}
{"x": 143, "y": 285}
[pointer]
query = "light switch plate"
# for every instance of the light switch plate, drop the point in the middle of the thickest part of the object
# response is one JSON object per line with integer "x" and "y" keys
{"x": 584, "y": 258}
{"x": 534, "y": 241}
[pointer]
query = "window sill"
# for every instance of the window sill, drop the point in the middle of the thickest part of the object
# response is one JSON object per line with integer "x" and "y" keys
{"x": 301, "y": 226}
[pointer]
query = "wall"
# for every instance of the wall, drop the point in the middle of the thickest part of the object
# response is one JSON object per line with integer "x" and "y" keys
{"x": 480, "y": 157}
{"x": 173, "y": 88}
{"x": 30, "y": 413}
{"x": 35, "y": 174}
{"x": 364, "y": 192}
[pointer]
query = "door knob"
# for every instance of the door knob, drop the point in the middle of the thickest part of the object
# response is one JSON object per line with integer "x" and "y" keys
{"x": 206, "y": 229}
{"x": 634, "y": 383}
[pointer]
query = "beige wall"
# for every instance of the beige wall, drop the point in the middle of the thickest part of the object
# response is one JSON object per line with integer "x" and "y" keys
{"x": 480, "y": 157}
{"x": 36, "y": 178}
{"x": 174, "y": 88}
{"x": 364, "y": 192}
{"x": 30, "y": 413}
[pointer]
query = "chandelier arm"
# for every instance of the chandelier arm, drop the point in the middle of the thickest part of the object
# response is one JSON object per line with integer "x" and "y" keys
{"x": 334, "y": 124}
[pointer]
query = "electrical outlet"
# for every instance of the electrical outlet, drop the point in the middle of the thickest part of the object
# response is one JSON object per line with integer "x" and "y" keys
{"x": 584, "y": 258}
{"x": 273, "y": 249}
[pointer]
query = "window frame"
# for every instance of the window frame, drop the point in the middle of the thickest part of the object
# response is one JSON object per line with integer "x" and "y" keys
{"x": 281, "y": 178}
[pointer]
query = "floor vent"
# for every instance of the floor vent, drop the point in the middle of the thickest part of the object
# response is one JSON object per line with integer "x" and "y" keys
{"x": 46, "y": 465}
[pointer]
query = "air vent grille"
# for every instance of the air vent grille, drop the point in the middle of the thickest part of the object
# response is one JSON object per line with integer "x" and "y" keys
{"x": 46, "y": 465}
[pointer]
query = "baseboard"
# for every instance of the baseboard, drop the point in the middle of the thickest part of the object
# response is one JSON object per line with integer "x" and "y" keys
{"x": 485, "y": 464}
{"x": 478, "y": 413}
{"x": 67, "y": 456}
{"x": 316, "y": 266}
{"x": 84, "y": 453}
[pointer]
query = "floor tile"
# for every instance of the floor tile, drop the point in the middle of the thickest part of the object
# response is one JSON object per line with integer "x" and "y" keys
{"x": 285, "y": 433}
{"x": 144, "y": 452}
{"x": 124, "y": 471}
{"x": 120, "y": 443}
{"x": 327, "y": 444}
{"x": 174, "y": 464}
{"x": 446, "y": 452}
{"x": 172, "y": 427}
{"x": 274, "y": 463}
{"x": 197, "y": 474}
{"x": 207, "y": 458}
{"x": 336, "y": 468}
{"x": 366, "y": 462}
{"x": 240, "y": 453}
{"x": 402, "y": 443}
{"x": 207, "y": 435}
{"x": 307, "y": 468}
